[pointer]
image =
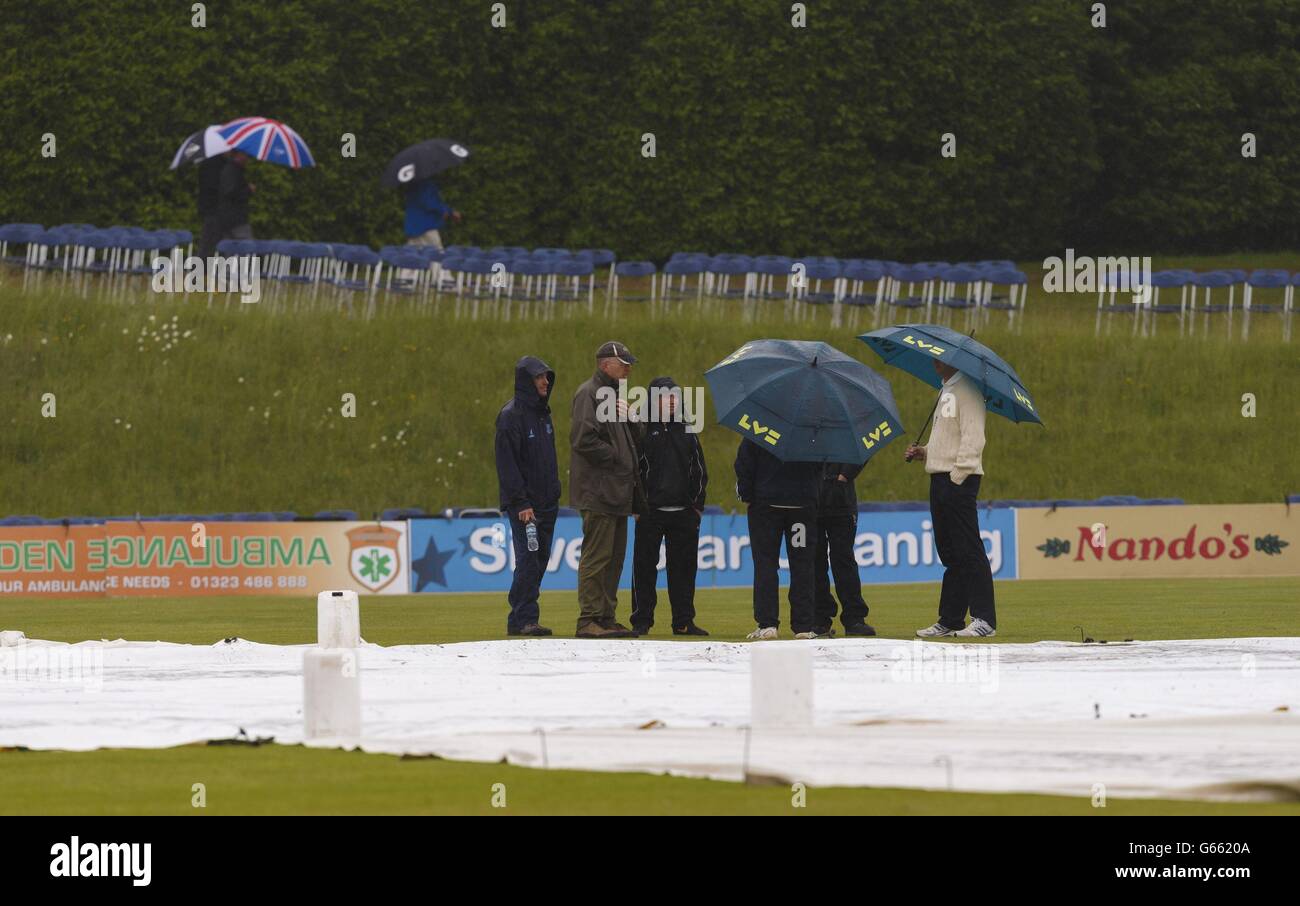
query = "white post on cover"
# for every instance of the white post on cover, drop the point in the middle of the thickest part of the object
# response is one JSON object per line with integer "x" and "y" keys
{"x": 338, "y": 619}
{"x": 781, "y": 686}
{"x": 331, "y": 693}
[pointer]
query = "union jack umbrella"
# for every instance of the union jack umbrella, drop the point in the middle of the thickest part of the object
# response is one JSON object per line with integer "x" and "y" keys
{"x": 268, "y": 140}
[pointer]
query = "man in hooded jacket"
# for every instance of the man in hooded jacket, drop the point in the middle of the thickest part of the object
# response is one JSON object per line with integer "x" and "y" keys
{"x": 529, "y": 477}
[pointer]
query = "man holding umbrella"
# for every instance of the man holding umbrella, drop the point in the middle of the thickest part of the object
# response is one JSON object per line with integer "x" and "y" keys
{"x": 412, "y": 170}
{"x": 427, "y": 214}
{"x": 782, "y": 498}
{"x": 797, "y": 405}
{"x": 953, "y": 460}
{"x": 971, "y": 380}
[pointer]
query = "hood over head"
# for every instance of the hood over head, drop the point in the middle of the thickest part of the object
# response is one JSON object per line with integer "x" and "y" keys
{"x": 526, "y": 370}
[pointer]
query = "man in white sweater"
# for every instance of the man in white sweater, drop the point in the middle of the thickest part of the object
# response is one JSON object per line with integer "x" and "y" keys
{"x": 952, "y": 458}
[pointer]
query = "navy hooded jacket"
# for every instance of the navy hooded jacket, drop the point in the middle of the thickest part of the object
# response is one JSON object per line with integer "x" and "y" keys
{"x": 527, "y": 470}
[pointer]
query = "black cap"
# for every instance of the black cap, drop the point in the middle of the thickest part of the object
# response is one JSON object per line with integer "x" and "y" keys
{"x": 616, "y": 350}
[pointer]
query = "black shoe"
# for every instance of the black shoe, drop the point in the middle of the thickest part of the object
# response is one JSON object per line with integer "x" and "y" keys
{"x": 639, "y": 631}
{"x": 863, "y": 628}
{"x": 531, "y": 629}
{"x": 688, "y": 629}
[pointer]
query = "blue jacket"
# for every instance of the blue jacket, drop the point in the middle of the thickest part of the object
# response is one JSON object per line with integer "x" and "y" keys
{"x": 527, "y": 470}
{"x": 425, "y": 209}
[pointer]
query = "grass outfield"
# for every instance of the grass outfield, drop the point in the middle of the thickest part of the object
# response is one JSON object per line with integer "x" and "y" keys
{"x": 1028, "y": 611}
{"x": 273, "y": 780}
{"x": 168, "y": 404}
{"x": 294, "y": 779}
{"x": 277, "y": 780}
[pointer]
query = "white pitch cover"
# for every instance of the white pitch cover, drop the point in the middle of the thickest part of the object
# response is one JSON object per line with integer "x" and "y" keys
{"x": 781, "y": 685}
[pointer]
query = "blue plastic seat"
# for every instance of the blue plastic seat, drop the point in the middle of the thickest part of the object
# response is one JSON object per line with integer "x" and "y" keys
{"x": 634, "y": 270}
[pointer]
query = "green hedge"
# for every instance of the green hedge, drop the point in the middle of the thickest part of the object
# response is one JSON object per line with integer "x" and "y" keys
{"x": 770, "y": 138}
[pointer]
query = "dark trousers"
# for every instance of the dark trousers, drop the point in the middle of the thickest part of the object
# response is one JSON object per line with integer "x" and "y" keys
{"x": 767, "y": 526}
{"x": 967, "y": 579}
{"x": 530, "y": 567}
{"x": 209, "y": 236}
{"x": 604, "y": 544}
{"x": 835, "y": 535}
{"x": 679, "y": 531}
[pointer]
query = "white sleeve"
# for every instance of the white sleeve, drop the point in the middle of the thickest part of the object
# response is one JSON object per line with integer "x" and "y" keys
{"x": 970, "y": 424}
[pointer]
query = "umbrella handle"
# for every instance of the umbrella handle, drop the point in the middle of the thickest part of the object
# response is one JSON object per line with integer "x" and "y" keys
{"x": 927, "y": 421}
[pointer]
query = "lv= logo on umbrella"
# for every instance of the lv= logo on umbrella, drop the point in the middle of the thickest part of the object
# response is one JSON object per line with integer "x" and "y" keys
{"x": 915, "y": 348}
{"x": 804, "y": 401}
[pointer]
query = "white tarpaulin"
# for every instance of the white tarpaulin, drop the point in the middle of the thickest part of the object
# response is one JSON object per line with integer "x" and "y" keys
{"x": 1176, "y": 718}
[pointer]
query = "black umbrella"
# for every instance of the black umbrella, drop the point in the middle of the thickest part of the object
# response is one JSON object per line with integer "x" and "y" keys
{"x": 202, "y": 145}
{"x": 420, "y": 161}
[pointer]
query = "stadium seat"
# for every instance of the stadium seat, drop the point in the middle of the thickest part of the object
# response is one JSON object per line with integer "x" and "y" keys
{"x": 357, "y": 257}
{"x": 1171, "y": 279}
{"x": 721, "y": 268}
{"x": 959, "y": 286}
{"x": 859, "y": 273}
{"x": 575, "y": 268}
{"x": 1009, "y": 277}
{"x": 1265, "y": 280}
{"x": 1209, "y": 281}
{"x": 768, "y": 268}
{"x": 633, "y": 270}
{"x": 394, "y": 514}
{"x": 477, "y": 512}
{"x": 817, "y": 270}
{"x": 684, "y": 267}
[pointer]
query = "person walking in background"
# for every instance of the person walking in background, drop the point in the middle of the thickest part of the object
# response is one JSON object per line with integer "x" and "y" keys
{"x": 837, "y": 527}
{"x": 782, "y": 498}
{"x": 233, "y": 193}
{"x": 605, "y": 487}
{"x": 427, "y": 214}
{"x": 953, "y": 459}
{"x": 529, "y": 478}
{"x": 674, "y": 477}
{"x": 209, "y": 176}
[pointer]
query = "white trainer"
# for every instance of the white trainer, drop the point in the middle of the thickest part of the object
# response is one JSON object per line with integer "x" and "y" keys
{"x": 762, "y": 634}
{"x": 978, "y": 629}
{"x": 937, "y": 631}
{"x": 806, "y": 635}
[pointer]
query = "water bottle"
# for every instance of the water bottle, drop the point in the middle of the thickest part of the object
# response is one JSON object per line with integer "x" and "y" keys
{"x": 531, "y": 531}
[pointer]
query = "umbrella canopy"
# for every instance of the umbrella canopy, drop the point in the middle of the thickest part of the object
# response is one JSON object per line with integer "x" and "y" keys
{"x": 423, "y": 160}
{"x": 915, "y": 347}
{"x": 200, "y": 146}
{"x": 268, "y": 140}
{"x": 804, "y": 401}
